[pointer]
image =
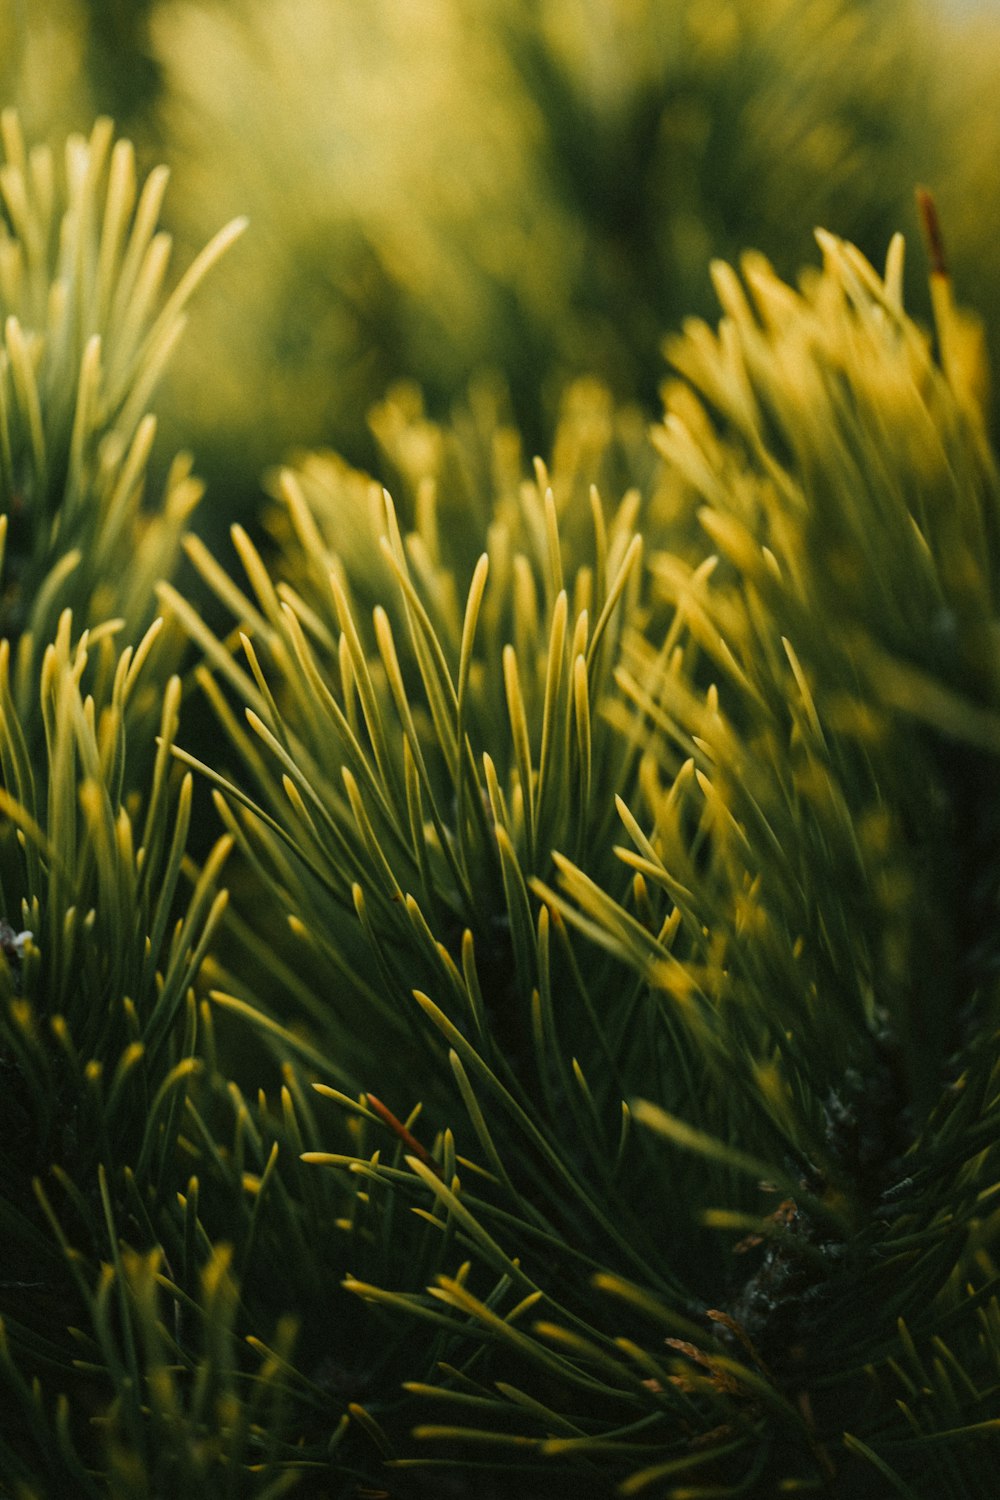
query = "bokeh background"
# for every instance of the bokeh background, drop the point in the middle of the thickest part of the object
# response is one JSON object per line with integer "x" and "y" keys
{"x": 504, "y": 193}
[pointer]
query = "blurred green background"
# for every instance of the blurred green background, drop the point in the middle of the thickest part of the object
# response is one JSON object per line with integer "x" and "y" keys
{"x": 532, "y": 188}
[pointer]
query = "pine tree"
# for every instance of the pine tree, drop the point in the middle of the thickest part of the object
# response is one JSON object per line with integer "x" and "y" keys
{"x": 591, "y": 1086}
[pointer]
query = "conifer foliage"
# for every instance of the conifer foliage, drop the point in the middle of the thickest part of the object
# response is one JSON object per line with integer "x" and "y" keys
{"x": 591, "y": 1086}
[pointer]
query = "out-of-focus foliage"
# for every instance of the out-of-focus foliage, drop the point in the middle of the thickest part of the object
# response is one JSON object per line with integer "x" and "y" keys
{"x": 66, "y": 61}
{"x": 532, "y": 187}
{"x": 967, "y": 192}
{"x": 41, "y": 68}
{"x": 124, "y": 74}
